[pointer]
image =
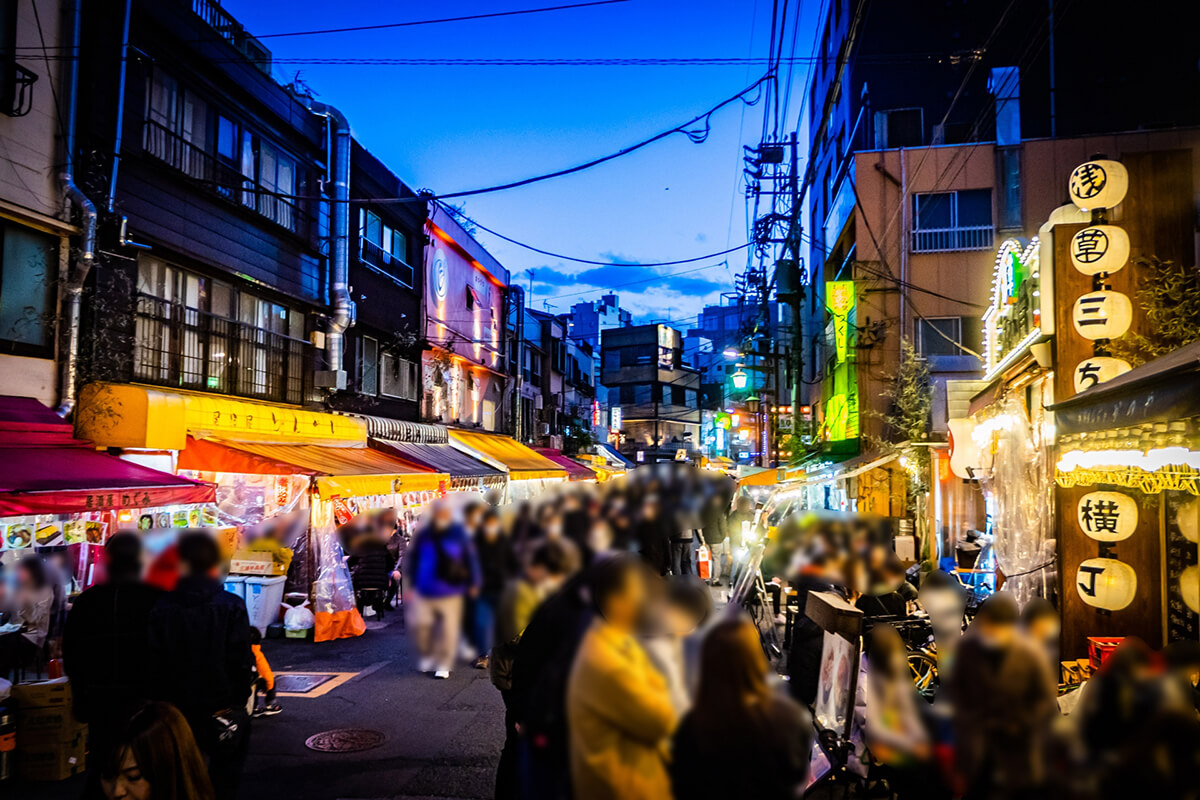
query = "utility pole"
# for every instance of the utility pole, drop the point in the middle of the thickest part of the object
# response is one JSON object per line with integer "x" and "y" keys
{"x": 797, "y": 290}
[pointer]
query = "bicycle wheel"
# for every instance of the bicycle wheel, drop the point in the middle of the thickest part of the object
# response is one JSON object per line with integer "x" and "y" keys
{"x": 924, "y": 672}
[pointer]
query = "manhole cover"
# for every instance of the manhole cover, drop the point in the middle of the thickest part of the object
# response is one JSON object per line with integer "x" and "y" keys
{"x": 344, "y": 740}
{"x": 299, "y": 682}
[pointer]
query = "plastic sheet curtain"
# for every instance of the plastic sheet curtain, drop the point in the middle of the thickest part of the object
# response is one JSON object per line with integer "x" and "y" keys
{"x": 333, "y": 606}
{"x": 1017, "y": 476}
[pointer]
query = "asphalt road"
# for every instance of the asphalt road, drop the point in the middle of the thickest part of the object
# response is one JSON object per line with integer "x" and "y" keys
{"x": 441, "y": 738}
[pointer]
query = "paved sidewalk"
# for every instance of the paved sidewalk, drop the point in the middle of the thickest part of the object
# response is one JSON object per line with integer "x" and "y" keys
{"x": 442, "y": 738}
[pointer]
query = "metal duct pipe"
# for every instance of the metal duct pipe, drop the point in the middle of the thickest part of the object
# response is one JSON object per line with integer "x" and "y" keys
{"x": 87, "y": 242}
{"x": 339, "y": 250}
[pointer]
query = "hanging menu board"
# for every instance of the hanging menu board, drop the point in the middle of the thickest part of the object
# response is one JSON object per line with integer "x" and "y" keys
{"x": 1183, "y": 573}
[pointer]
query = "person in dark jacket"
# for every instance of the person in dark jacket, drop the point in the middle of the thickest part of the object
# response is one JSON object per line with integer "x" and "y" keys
{"x": 201, "y": 660}
{"x": 804, "y": 658}
{"x": 370, "y": 565}
{"x": 538, "y": 696}
{"x": 741, "y": 738}
{"x": 654, "y": 536}
{"x": 497, "y": 563}
{"x": 106, "y": 650}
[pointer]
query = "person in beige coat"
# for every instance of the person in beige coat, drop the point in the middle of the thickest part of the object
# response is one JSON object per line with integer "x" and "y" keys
{"x": 619, "y": 712}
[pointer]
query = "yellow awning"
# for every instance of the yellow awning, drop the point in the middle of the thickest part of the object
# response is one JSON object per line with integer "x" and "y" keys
{"x": 130, "y": 415}
{"x": 350, "y": 471}
{"x": 522, "y": 463}
{"x": 764, "y": 477}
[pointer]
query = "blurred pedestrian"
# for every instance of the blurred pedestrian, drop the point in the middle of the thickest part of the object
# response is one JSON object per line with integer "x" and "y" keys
{"x": 370, "y": 564}
{"x": 716, "y": 535}
{"x": 1004, "y": 699}
{"x": 443, "y": 569}
{"x": 201, "y": 660}
{"x": 654, "y": 536}
{"x": 519, "y": 601}
{"x": 106, "y": 649}
{"x": 1040, "y": 623}
{"x": 619, "y": 711}
{"x": 741, "y": 738}
{"x": 156, "y": 758}
{"x": 497, "y": 564}
{"x": 685, "y": 604}
{"x": 819, "y": 573}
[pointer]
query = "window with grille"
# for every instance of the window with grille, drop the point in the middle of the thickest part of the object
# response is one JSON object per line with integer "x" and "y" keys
{"x": 368, "y": 366}
{"x": 398, "y": 378}
{"x": 947, "y": 221}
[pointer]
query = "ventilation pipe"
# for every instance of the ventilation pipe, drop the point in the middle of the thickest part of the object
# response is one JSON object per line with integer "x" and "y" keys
{"x": 86, "y": 256}
{"x": 338, "y": 157}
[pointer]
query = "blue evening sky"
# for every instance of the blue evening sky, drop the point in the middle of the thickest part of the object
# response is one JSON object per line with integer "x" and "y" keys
{"x": 450, "y": 128}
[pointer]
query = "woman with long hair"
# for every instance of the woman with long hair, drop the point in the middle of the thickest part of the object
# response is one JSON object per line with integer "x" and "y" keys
{"x": 741, "y": 738}
{"x": 156, "y": 759}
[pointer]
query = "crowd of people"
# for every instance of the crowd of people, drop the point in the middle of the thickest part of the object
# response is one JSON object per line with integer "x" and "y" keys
{"x": 623, "y": 671}
{"x": 161, "y": 674}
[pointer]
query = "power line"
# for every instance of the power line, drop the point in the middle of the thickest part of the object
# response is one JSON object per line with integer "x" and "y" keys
{"x": 467, "y": 18}
{"x": 460, "y": 215}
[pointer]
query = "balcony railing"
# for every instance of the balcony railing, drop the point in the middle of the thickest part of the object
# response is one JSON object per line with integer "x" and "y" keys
{"x": 942, "y": 240}
{"x": 220, "y": 178}
{"x": 231, "y": 30}
{"x": 189, "y": 349}
{"x": 384, "y": 261}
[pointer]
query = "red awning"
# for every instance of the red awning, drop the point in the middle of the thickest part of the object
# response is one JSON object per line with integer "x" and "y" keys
{"x": 575, "y": 470}
{"x": 44, "y": 470}
{"x": 205, "y": 455}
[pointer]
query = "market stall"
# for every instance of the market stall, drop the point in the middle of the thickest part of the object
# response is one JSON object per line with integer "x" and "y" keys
{"x": 529, "y": 474}
{"x": 339, "y": 486}
{"x": 575, "y": 470}
{"x": 57, "y": 490}
{"x": 1128, "y": 476}
{"x": 429, "y": 446}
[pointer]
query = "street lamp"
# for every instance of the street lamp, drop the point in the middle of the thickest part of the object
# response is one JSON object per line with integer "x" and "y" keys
{"x": 752, "y": 404}
{"x": 731, "y": 352}
{"x": 739, "y": 379}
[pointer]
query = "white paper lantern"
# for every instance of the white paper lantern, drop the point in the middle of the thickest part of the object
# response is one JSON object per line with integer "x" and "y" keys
{"x": 965, "y": 455}
{"x": 1188, "y": 520}
{"x": 1102, "y": 315}
{"x": 1099, "y": 248}
{"x": 1107, "y": 516}
{"x": 1098, "y": 369}
{"x": 1189, "y": 588}
{"x": 1106, "y": 583}
{"x": 1098, "y": 184}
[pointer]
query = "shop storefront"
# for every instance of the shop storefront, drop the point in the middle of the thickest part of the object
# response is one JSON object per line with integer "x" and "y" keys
{"x": 1128, "y": 476}
{"x": 429, "y": 446}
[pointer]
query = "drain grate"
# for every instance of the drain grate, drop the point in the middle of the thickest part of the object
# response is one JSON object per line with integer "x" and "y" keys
{"x": 300, "y": 682}
{"x": 345, "y": 740}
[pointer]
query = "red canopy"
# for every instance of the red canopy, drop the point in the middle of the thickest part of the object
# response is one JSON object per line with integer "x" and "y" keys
{"x": 575, "y": 470}
{"x": 45, "y": 470}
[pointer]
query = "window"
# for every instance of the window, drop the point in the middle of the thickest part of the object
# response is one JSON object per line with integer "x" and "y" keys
{"x": 384, "y": 247}
{"x": 678, "y": 396}
{"x": 176, "y": 125}
{"x": 195, "y": 332}
{"x": 277, "y": 175}
{"x": 227, "y": 139}
{"x": 27, "y": 291}
{"x": 368, "y": 366}
{"x": 637, "y": 355}
{"x": 643, "y": 394}
{"x": 398, "y": 378}
{"x": 936, "y": 336}
{"x": 612, "y": 359}
{"x": 946, "y": 221}
{"x": 627, "y": 394}
{"x": 899, "y": 127}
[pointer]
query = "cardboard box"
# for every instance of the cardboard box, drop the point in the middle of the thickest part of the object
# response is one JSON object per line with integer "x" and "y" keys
{"x": 54, "y": 693}
{"x": 251, "y": 562}
{"x": 50, "y": 762}
{"x": 49, "y": 725}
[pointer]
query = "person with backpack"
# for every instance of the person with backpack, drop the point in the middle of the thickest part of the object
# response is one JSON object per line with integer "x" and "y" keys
{"x": 442, "y": 568}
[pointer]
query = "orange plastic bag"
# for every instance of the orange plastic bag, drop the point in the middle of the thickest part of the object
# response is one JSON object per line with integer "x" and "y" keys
{"x": 704, "y": 563}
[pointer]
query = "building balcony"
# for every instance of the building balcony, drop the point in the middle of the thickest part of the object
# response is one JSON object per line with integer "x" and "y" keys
{"x": 394, "y": 266}
{"x": 185, "y": 348}
{"x": 221, "y": 179}
{"x": 948, "y": 240}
